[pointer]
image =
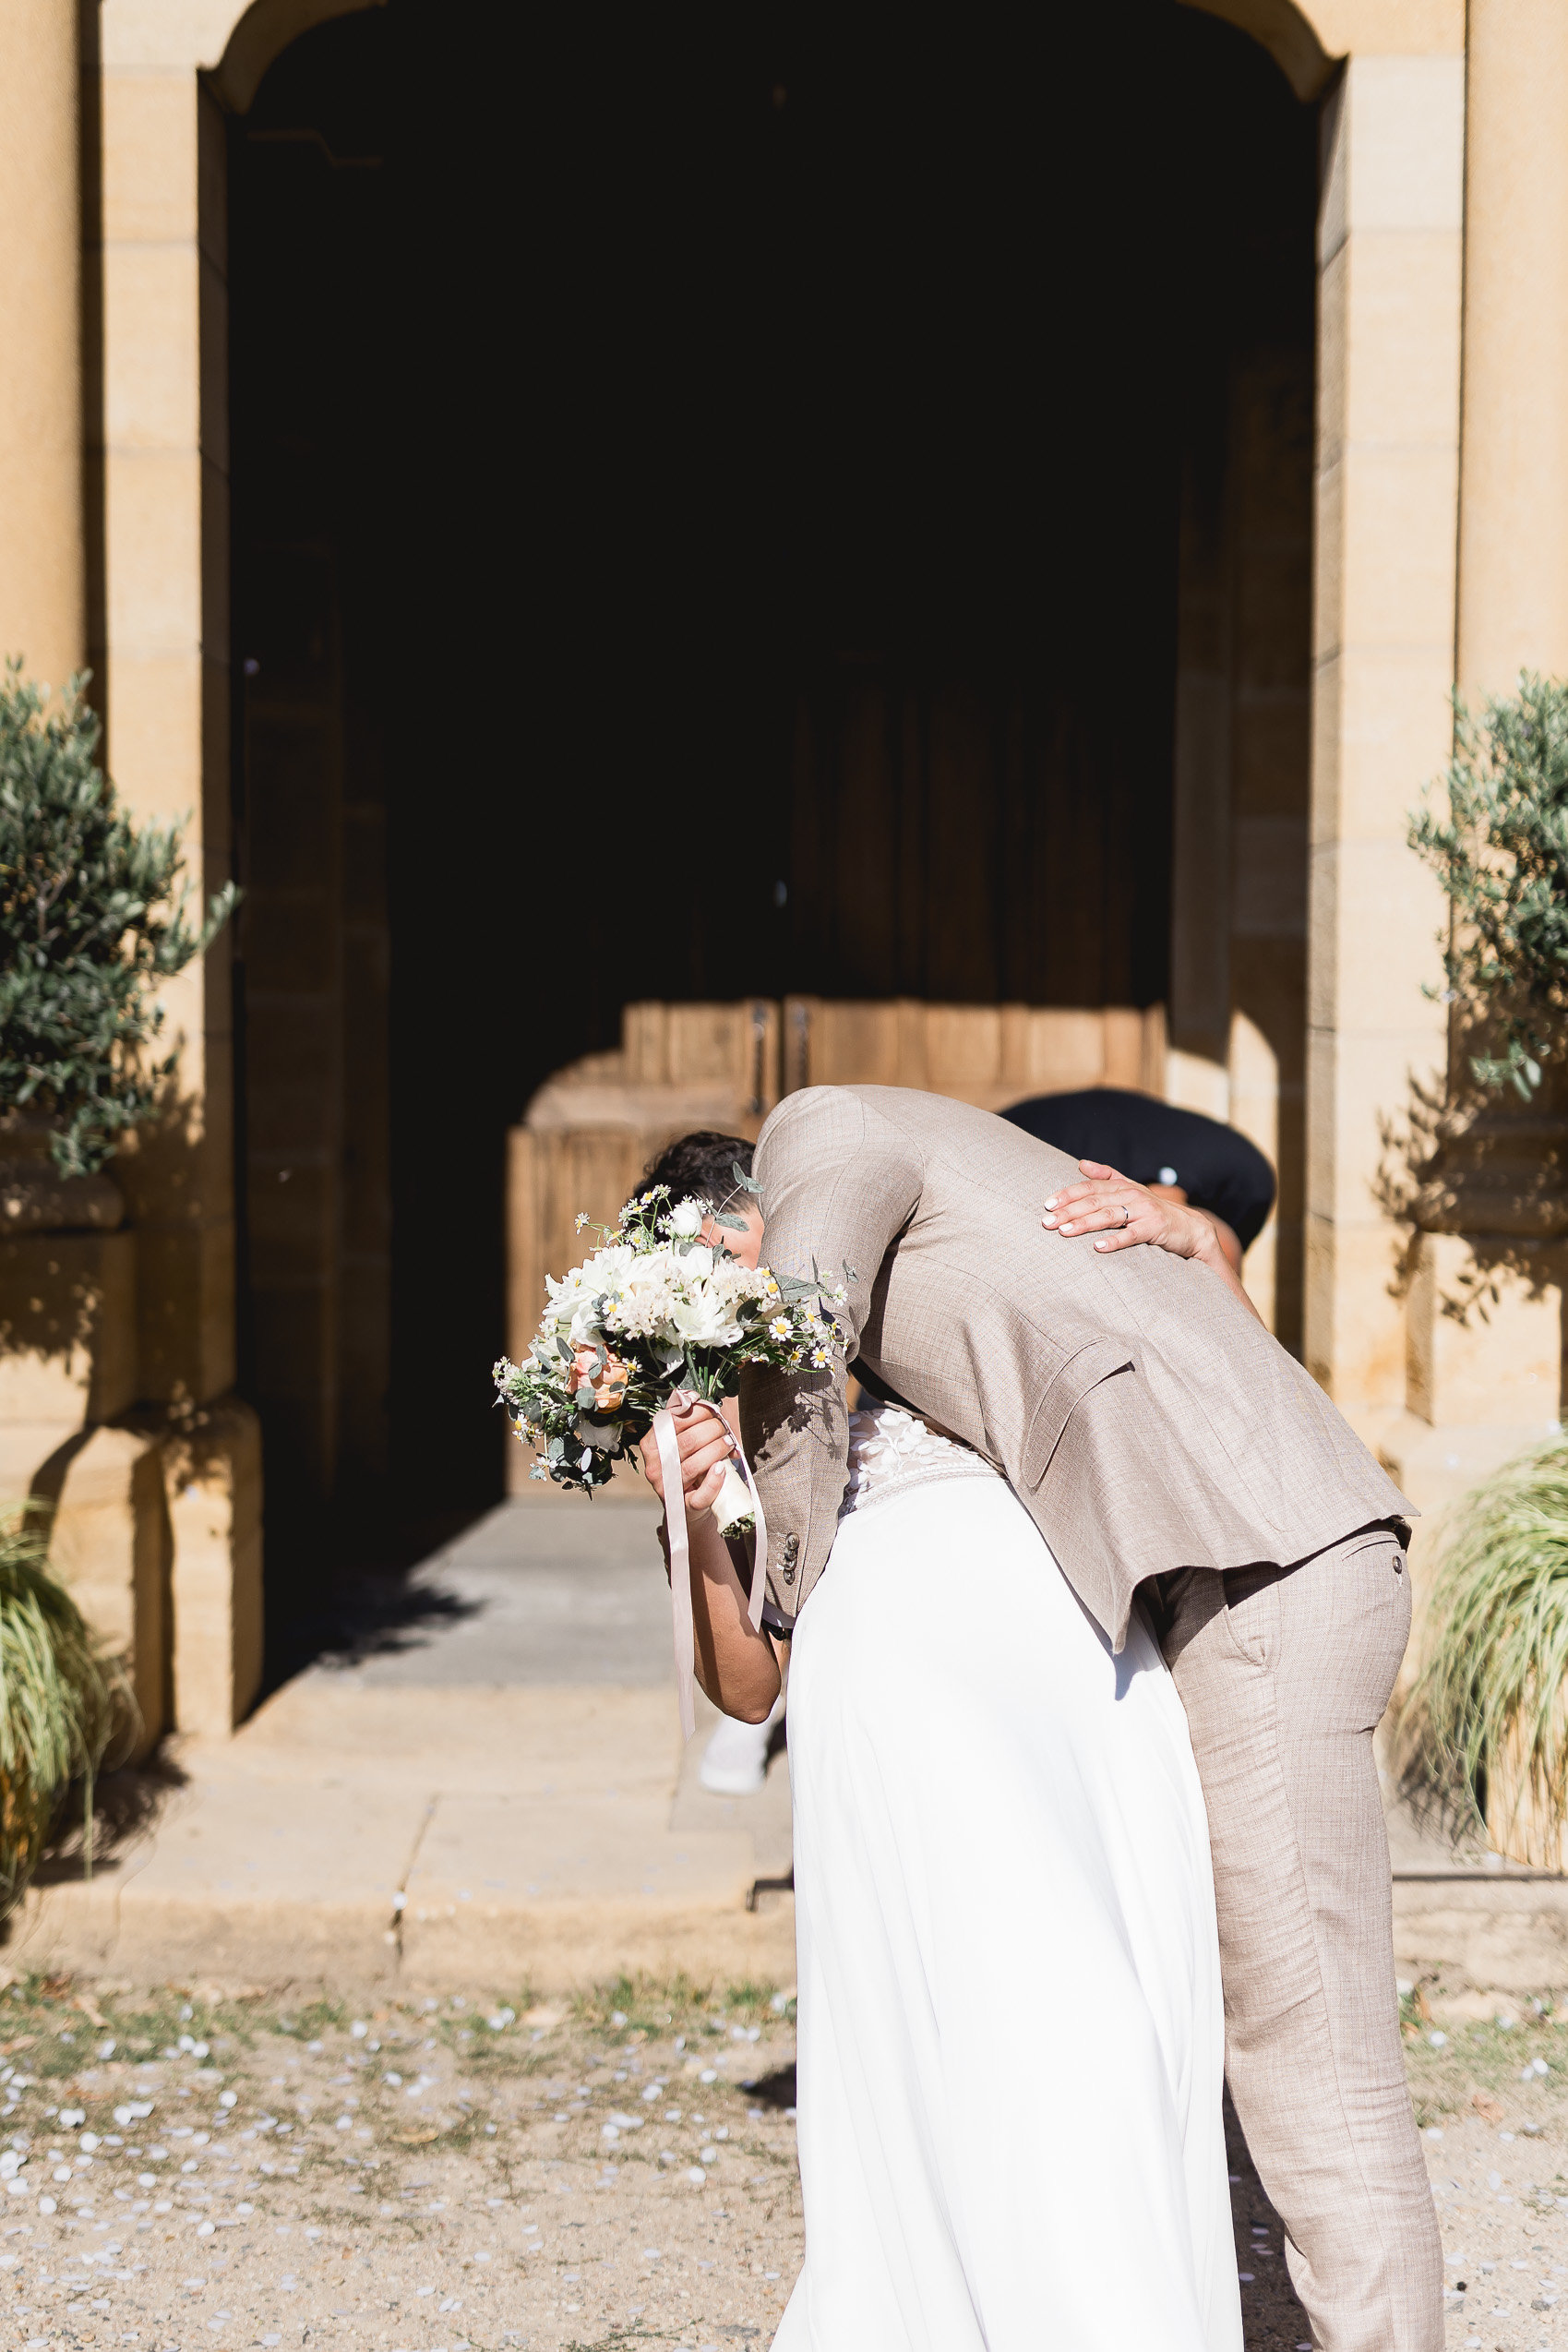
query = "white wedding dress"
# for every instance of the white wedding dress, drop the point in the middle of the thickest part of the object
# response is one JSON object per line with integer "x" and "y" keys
{"x": 1010, "y": 2033}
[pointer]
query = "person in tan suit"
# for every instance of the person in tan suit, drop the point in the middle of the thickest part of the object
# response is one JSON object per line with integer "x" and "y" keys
{"x": 1158, "y": 1437}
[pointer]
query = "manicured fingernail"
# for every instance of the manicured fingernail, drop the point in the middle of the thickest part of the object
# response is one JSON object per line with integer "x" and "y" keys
{"x": 1070, "y": 1226}
{"x": 1102, "y": 1245}
{"x": 1052, "y": 1202}
{"x": 1047, "y": 1220}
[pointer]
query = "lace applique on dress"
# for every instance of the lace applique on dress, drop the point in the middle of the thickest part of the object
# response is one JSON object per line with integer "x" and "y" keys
{"x": 891, "y": 1450}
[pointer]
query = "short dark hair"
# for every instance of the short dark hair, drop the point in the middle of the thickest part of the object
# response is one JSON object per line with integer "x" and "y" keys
{"x": 700, "y": 1167}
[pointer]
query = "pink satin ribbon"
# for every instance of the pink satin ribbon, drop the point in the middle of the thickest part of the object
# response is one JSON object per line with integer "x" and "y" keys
{"x": 684, "y": 1400}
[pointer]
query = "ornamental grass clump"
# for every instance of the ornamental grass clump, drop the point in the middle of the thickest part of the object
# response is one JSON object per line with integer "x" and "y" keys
{"x": 92, "y": 923}
{"x": 59, "y": 1705}
{"x": 1486, "y": 1718}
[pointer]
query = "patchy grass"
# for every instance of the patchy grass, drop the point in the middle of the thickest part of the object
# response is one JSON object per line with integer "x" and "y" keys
{"x": 1492, "y": 2069}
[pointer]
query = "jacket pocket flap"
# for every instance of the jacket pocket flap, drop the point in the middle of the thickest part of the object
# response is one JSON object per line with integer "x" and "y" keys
{"x": 1082, "y": 1371}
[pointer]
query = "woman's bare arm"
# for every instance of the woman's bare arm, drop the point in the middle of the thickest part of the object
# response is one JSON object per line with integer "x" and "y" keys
{"x": 736, "y": 1663}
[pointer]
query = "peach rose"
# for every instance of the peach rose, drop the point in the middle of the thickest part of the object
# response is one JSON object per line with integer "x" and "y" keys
{"x": 609, "y": 1391}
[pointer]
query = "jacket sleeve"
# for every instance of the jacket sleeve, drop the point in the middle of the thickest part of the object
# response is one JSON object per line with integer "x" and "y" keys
{"x": 839, "y": 1183}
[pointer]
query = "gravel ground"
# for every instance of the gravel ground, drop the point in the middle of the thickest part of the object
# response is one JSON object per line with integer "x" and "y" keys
{"x": 182, "y": 2167}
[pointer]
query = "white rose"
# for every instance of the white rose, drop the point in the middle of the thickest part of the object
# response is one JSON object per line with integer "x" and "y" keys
{"x": 702, "y": 1322}
{"x": 686, "y": 1221}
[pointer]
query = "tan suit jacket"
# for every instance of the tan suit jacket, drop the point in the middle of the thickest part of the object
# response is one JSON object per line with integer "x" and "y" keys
{"x": 1144, "y": 1419}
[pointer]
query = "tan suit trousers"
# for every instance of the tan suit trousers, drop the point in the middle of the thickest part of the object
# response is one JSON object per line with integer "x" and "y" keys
{"x": 1285, "y": 1673}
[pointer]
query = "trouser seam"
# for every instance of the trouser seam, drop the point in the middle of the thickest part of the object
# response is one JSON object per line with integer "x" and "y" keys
{"x": 1304, "y": 1887}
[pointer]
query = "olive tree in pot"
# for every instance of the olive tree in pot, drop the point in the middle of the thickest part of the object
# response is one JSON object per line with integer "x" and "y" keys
{"x": 1487, "y": 1723}
{"x": 94, "y": 918}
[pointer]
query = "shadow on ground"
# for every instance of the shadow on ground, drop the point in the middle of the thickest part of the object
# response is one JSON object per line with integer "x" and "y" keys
{"x": 1271, "y": 2317}
{"x": 348, "y": 1592}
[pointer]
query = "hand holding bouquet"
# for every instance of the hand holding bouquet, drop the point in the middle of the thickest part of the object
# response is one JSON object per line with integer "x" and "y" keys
{"x": 654, "y": 1310}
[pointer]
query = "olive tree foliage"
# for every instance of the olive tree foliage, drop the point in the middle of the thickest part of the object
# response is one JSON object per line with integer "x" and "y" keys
{"x": 93, "y": 920}
{"x": 1501, "y": 852}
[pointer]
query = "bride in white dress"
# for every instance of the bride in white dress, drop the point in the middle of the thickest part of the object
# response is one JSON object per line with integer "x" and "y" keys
{"x": 1011, "y": 2026}
{"x": 1011, "y": 2035}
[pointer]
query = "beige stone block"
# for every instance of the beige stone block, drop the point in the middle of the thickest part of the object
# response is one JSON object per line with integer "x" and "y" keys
{"x": 180, "y": 35}
{"x": 1269, "y": 888}
{"x": 1486, "y": 1332}
{"x": 1405, "y": 143}
{"x": 1066, "y": 1050}
{"x": 1403, "y": 357}
{"x": 175, "y": 1170}
{"x": 67, "y": 1327}
{"x": 1197, "y": 1082}
{"x": 1273, "y": 618}
{"x": 25, "y": 1448}
{"x": 42, "y": 578}
{"x": 212, "y": 176}
{"x": 1354, "y": 1322}
{"x": 1391, "y": 720}
{"x": 213, "y": 1473}
{"x": 1376, "y": 918}
{"x": 1513, "y": 545}
{"x": 186, "y": 1343}
{"x": 148, "y": 158}
{"x": 1324, "y": 808}
{"x": 1398, "y": 542}
{"x": 216, "y": 633}
{"x": 1359, "y": 1089}
{"x": 1328, "y": 562}
{"x": 1272, "y": 747}
{"x": 1396, "y": 27}
{"x": 1270, "y": 976}
{"x": 151, "y": 319}
{"x": 1334, "y": 299}
{"x": 110, "y": 1546}
{"x": 1334, "y": 172}
{"x": 156, "y": 746}
{"x": 153, "y": 522}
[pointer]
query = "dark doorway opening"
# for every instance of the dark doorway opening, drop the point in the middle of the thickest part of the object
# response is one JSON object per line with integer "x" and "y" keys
{"x": 707, "y": 498}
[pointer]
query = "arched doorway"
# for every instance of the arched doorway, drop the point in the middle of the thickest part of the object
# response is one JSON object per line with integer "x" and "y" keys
{"x": 740, "y": 510}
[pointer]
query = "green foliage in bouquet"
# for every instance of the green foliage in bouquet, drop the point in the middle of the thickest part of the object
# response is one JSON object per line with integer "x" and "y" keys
{"x": 92, "y": 922}
{"x": 654, "y": 1309}
{"x": 1492, "y": 1686}
{"x": 1501, "y": 854}
{"x": 58, "y": 1705}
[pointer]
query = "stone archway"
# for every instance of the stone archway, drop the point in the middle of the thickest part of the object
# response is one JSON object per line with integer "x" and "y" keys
{"x": 1288, "y": 33}
{"x": 1386, "y": 498}
{"x": 260, "y": 37}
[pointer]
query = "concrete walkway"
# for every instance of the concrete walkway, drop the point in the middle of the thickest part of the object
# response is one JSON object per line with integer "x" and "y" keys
{"x": 497, "y": 1790}
{"x": 496, "y": 1793}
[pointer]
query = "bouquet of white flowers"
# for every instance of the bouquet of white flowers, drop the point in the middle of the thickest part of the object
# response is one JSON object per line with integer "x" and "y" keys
{"x": 655, "y": 1309}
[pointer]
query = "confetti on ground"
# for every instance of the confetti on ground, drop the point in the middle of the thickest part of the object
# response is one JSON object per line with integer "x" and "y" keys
{"x": 185, "y": 2167}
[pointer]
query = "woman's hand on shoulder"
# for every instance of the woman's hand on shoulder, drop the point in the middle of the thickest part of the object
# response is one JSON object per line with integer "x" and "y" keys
{"x": 1121, "y": 1215}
